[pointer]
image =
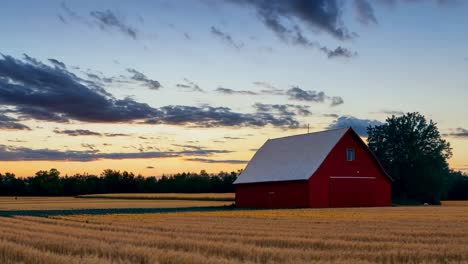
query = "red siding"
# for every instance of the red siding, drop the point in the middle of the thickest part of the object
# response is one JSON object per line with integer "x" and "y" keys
{"x": 342, "y": 192}
{"x": 273, "y": 194}
{"x": 336, "y": 183}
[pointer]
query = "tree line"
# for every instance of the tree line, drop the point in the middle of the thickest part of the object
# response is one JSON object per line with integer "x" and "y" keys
{"x": 50, "y": 183}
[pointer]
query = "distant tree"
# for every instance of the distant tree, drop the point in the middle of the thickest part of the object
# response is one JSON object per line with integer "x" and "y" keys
{"x": 414, "y": 154}
{"x": 458, "y": 188}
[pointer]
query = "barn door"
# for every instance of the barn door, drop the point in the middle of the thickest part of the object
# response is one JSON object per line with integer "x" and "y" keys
{"x": 352, "y": 191}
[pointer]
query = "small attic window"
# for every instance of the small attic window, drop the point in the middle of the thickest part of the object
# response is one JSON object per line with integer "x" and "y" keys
{"x": 350, "y": 155}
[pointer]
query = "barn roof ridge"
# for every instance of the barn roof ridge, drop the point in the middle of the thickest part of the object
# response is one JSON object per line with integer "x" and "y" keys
{"x": 312, "y": 133}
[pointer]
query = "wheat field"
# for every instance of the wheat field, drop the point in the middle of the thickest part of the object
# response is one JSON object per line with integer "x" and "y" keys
{"x": 362, "y": 235}
{"x": 69, "y": 203}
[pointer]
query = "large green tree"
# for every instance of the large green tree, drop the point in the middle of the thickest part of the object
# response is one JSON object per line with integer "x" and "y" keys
{"x": 414, "y": 154}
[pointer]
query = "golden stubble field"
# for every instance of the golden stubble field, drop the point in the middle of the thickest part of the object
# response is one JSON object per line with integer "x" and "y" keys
{"x": 427, "y": 234}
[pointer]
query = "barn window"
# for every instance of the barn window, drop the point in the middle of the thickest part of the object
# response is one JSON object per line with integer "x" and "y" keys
{"x": 350, "y": 155}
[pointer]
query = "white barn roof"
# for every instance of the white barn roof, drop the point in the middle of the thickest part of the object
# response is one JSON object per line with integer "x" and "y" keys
{"x": 290, "y": 158}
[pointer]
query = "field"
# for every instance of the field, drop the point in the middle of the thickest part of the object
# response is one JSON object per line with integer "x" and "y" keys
{"x": 429, "y": 234}
{"x": 165, "y": 196}
{"x": 68, "y": 203}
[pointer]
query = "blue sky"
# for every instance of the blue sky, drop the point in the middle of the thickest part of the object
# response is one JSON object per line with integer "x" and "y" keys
{"x": 395, "y": 56}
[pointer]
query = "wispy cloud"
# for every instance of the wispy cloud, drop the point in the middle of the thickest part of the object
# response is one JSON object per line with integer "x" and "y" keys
{"x": 458, "y": 132}
{"x": 190, "y": 86}
{"x": 85, "y": 132}
{"x": 108, "y": 20}
{"x": 229, "y": 91}
{"x": 140, "y": 77}
{"x": 226, "y": 38}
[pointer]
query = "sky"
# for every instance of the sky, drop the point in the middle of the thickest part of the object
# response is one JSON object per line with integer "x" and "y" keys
{"x": 160, "y": 87}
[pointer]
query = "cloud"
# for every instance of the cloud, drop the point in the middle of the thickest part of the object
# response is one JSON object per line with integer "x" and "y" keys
{"x": 364, "y": 12}
{"x": 203, "y": 160}
{"x": 284, "y": 110}
{"x": 226, "y": 38}
{"x": 12, "y": 153}
{"x": 10, "y": 123}
{"x": 359, "y": 125}
{"x": 89, "y": 146}
{"x": 338, "y": 52}
{"x": 268, "y": 88}
{"x": 38, "y": 91}
{"x": 458, "y": 132}
{"x": 233, "y": 138}
{"x": 336, "y": 100}
{"x": 229, "y": 91}
{"x": 140, "y": 77}
{"x": 188, "y": 85}
{"x": 209, "y": 116}
{"x": 77, "y": 132}
{"x": 85, "y": 132}
{"x": 323, "y": 15}
{"x": 283, "y": 17}
{"x": 150, "y": 167}
{"x": 298, "y": 94}
{"x": 57, "y": 63}
{"x": 393, "y": 112}
{"x": 108, "y": 20}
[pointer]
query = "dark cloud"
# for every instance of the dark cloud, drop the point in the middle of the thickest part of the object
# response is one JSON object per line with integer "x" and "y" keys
{"x": 208, "y": 116}
{"x": 150, "y": 167}
{"x": 187, "y": 146}
{"x": 11, "y": 153}
{"x": 324, "y": 15}
{"x": 281, "y": 17}
{"x": 188, "y": 85}
{"x": 233, "y": 138}
{"x": 88, "y": 146}
{"x": 17, "y": 141}
{"x": 338, "y": 52}
{"x": 225, "y": 37}
{"x": 458, "y": 132}
{"x": 359, "y": 125}
{"x": 77, "y": 132}
{"x": 336, "y": 100}
{"x": 35, "y": 88}
{"x": 203, "y": 160}
{"x": 283, "y": 110}
{"x": 85, "y": 132}
{"x": 229, "y": 91}
{"x": 38, "y": 91}
{"x": 299, "y": 94}
{"x": 364, "y": 12}
{"x": 57, "y": 63}
{"x": 140, "y": 77}
{"x": 10, "y": 123}
{"x": 108, "y": 20}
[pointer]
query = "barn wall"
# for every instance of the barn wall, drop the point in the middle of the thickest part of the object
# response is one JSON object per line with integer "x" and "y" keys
{"x": 336, "y": 165}
{"x": 272, "y": 194}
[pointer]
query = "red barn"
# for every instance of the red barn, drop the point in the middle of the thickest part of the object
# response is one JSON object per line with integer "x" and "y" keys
{"x": 333, "y": 168}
